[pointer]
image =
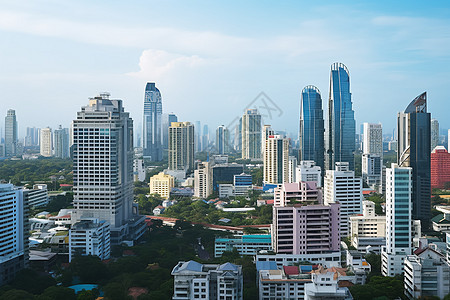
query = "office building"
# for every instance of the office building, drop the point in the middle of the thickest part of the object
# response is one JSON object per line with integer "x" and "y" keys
{"x": 242, "y": 184}
{"x": 440, "y": 167}
{"x": 37, "y": 196}
{"x": 245, "y": 244}
{"x": 46, "y": 142}
{"x": 203, "y": 185}
{"x": 103, "y": 168}
{"x": 167, "y": 120}
{"x": 32, "y": 137}
{"x": 413, "y": 150}
{"x": 399, "y": 231}
{"x": 340, "y": 130}
{"x": 61, "y": 142}
{"x": 426, "y": 274}
{"x": 13, "y": 236}
{"x": 368, "y": 229}
{"x": 11, "y": 133}
{"x": 372, "y": 171}
{"x": 434, "y": 133}
{"x": 222, "y": 140}
{"x": 308, "y": 171}
{"x": 193, "y": 280}
{"x": 251, "y": 134}
{"x": 181, "y": 146}
{"x": 151, "y": 135}
{"x": 373, "y": 139}
{"x": 276, "y": 160}
{"x": 90, "y": 237}
{"x": 341, "y": 186}
{"x": 327, "y": 259}
{"x": 311, "y": 135}
{"x": 162, "y": 184}
{"x": 224, "y": 173}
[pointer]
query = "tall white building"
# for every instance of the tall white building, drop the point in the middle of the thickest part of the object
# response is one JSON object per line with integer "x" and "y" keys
{"x": 434, "y": 133}
{"x": 138, "y": 169}
{"x": 61, "y": 142}
{"x": 266, "y": 132}
{"x": 399, "y": 231}
{"x": 276, "y": 160}
{"x": 308, "y": 171}
{"x": 203, "y": 186}
{"x": 193, "y": 280}
{"x": 103, "y": 168}
{"x": 13, "y": 232}
{"x": 341, "y": 186}
{"x": 45, "y": 143}
{"x": 372, "y": 171}
{"x": 292, "y": 169}
{"x": 373, "y": 139}
{"x": 251, "y": 134}
{"x": 90, "y": 237}
{"x": 181, "y": 146}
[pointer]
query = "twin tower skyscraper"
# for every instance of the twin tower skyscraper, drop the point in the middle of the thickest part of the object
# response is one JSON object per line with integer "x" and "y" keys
{"x": 335, "y": 142}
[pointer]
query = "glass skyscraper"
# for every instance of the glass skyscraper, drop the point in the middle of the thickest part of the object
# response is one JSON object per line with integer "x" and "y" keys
{"x": 311, "y": 126}
{"x": 413, "y": 150}
{"x": 340, "y": 136}
{"x": 152, "y": 142}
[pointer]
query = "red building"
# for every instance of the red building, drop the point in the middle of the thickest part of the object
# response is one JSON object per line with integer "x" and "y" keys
{"x": 440, "y": 167}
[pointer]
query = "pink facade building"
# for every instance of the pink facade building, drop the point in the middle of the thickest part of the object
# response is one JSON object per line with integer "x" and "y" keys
{"x": 299, "y": 228}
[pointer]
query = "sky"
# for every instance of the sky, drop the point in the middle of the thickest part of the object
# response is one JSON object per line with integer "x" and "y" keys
{"x": 211, "y": 60}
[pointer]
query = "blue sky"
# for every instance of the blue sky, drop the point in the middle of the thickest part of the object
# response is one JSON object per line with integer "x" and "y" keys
{"x": 210, "y": 60}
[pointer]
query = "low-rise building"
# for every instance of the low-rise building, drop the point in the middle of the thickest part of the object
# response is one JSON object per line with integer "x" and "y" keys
{"x": 193, "y": 280}
{"x": 90, "y": 237}
{"x": 36, "y": 197}
{"x": 358, "y": 265}
{"x": 427, "y": 274}
{"x": 328, "y": 260}
{"x": 326, "y": 285}
{"x": 244, "y": 244}
{"x": 441, "y": 222}
{"x": 162, "y": 184}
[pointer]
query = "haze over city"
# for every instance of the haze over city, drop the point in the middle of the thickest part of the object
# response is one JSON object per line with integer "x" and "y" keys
{"x": 210, "y": 60}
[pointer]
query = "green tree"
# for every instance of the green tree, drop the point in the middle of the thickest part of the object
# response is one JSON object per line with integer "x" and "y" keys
{"x": 56, "y": 293}
{"x": 17, "y": 295}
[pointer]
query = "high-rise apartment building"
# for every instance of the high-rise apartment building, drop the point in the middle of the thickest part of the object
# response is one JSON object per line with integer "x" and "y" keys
{"x": 203, "y": 183}
{"x": 167, "y": 120}
{"x": 311, "y": 134}
{"x": 373, "y": 139}
{"x": 181, "y": 146}
{"x": 340, "y": 141}
{"x": 13, "y": 237}
{"x": 276, "y": 160}
{"x": 61, "y": 142}
{"x": 413, "y": 150}
{"x": 440, "y": 168}
{"x": 46, "y": 142}
{"x": 399, "y": 229}
{"x": 308, "y": 171}
{"x": 90, "y": 237}
{"x": 341, "y": 186}
{"x": 251, "y": 134}
{"x": 434, "y": 133}
{"x": 292, "y": 169}
{"x": 266, "y": 132}
{"x": 162, "y": 185}
{"x": 103, "y": 168}
{"x": 372, "y": 171}
{"x": 222, "y": 140}
{"x": 11, "y": 132}
{"x": 151, "y": 136}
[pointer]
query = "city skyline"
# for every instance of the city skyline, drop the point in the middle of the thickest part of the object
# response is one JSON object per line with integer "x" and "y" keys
{"x": 394, "y": 55}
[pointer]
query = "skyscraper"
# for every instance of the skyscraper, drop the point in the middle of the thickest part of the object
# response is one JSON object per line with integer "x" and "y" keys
{"x": 32, "y": 137}
{"x": 398, "y": 220}
{"x": 372, "y": 158}
{"x": 222, "y": 140}
{"x": 10, "y": 133}
{"x": 434, "y": 133}
{"x": 413, "y": 150}
{"x": 103, "y": 168}
{"x": 340, "y": 135}
{"x": 205, "y": 138}
{"x": 46, "y": 144}
{"x": 152, "y": 123}
{"x": 251, "y": 134}
{"x": 373, "y": 139}
{"x": 266, "y": 132}
{"x": 311, "y": 126}
{"x": 167, "y": 119}
{"x": 61, "y": 142}
{"x": 181, "y": 146}
{"x": 276, "y": 160}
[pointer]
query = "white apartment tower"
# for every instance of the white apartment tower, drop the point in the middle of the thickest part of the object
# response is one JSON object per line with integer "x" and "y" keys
{"x": 46, "y": 145}
{"x": 103, "y": 168}
{"x": 181, "y": 146}
{"x": 308, "y": 171}
{"x": 276, "y": 160}
{"x": 399, "y": 231}
{"x": 341, "y": 186}
{"x": 203, "y": 186}
{"x": 373, "y": 139}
